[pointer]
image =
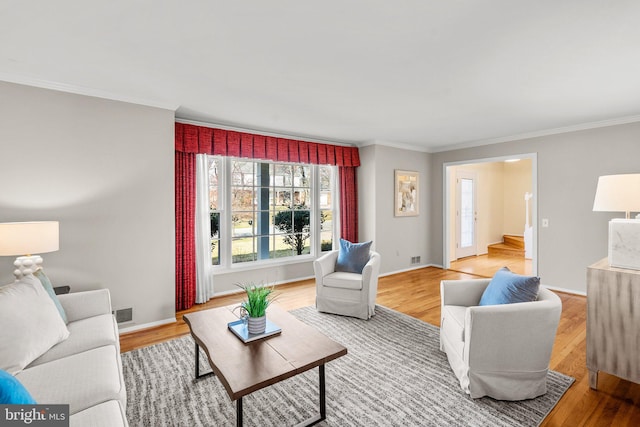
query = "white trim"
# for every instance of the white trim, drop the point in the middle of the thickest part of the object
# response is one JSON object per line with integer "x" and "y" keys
{"x": 278, "y": 283}
{"x": 565, "y": 290}
{"x": 237, "y": 128}
{"x": 146, "y": 325}
{"x": 404, "y": 270}
{"x": 392, "y": 144}
{"x": 260, "y": 264}
{"x": 536, "y": 134}
{"x": 85, "y": 91}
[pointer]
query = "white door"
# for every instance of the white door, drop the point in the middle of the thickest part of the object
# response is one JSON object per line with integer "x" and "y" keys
{"x": 466, "y": 214}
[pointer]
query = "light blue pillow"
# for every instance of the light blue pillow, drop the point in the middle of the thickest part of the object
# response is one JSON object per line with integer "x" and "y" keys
{"x": 507, "y": 288}
{"x": 352, "y": 256}
{"x": 12, "y": 392}
{"x": 46, "y": 284}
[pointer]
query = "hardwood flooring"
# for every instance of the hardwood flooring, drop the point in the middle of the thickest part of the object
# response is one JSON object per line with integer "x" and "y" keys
{"x": 417, "y": 293}
{"x": 486, "y": 265}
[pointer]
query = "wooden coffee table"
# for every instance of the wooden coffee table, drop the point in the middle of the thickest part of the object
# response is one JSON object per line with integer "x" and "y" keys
{"x": 244, "y": 368}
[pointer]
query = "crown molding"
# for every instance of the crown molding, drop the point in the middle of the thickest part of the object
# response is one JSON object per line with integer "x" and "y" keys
{"x": 392, "y": 144}
{"x": 81, "y": 90}
{"x": 537, "y": 134}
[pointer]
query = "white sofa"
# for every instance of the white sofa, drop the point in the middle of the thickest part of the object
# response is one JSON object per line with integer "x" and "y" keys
{"x": 85, "y": 369}
{"x": 501, "y": 351}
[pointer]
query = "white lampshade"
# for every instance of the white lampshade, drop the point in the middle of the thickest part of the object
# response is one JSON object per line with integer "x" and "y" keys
{"x": 26, "y": 238}
{"x": 618, "y": 193}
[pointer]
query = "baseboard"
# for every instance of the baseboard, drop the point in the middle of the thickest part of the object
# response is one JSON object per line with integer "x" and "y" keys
{"x": 124, "y": 330}
{"x": 565, "y": 290}
{"x": 278, "y": 283}
{"x": 415, "y": 267}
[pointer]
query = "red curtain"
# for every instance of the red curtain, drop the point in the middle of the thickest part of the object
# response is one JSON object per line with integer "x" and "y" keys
{"x": 203, "y": 140}
{"x": 185, "y": 181}
{"x": 348, "y": 203}
{"x": 191, "y": 140}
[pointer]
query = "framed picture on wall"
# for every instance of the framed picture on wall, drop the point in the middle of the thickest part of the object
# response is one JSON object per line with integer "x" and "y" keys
{"x": 406, "y": 193}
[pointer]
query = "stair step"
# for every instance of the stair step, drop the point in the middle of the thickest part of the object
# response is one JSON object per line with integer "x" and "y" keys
{"x": 515, "y": 241}
{"x": 502, "y": 249}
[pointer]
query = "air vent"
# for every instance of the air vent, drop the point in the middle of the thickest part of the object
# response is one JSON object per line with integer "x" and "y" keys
{"x": 123, "y": 315}
{"x": 415, "y": 260}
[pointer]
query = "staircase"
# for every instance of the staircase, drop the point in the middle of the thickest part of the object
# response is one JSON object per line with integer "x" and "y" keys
{"x": 511, "y": 246}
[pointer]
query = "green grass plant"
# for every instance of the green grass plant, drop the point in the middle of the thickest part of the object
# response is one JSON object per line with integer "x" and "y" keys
{"x": 258, "y": 298}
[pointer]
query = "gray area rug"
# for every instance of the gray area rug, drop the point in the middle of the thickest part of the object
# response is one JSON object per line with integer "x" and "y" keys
{"x": 393, "y": 375}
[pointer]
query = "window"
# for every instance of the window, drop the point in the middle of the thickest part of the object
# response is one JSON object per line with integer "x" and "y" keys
{"x": 265, "y": 211}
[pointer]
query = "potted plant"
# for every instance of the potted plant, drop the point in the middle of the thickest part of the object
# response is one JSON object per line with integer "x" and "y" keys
{"x": 258, "y": 299}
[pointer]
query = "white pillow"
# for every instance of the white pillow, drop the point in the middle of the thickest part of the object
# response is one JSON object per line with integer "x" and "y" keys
{"x": 31, "y": 324}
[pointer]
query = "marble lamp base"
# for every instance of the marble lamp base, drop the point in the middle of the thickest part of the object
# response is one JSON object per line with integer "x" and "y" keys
{"x": 624, "y": 243}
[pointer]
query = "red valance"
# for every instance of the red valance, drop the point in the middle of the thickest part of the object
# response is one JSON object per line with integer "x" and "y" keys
{"x": 204, "y": 140}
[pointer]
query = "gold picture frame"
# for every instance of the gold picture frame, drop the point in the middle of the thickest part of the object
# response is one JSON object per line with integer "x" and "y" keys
{"x": 406, "y": 190}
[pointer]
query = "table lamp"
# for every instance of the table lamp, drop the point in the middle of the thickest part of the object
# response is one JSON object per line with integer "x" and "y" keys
{"x": 25, "y": 239}
{"x": 621, "y": 193}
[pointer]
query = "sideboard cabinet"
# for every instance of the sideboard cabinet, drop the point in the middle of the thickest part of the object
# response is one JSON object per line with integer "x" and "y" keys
{"x": 613, "y": 322}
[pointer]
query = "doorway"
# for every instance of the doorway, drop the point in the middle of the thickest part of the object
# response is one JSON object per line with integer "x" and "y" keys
{"x": 491, "y": 203}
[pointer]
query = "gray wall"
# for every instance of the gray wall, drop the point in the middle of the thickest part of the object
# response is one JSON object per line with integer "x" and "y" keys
{"x": 569, "y": 165}
{"x": 397, "y": 239}
{"x": 104, "y": 169}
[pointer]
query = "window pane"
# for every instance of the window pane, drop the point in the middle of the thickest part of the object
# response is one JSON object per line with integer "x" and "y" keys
{"x": 242, "y": 173}
{"x": 301, "y": 198}
{"x": 280, "y": 248}
{"x": 326, "y": 174}
{"x": 282, "y": 175}
{"x": 326, "y": 230}
{"x": 215, "y": 251}
{"x": 243, "y": 224}
{"x": 243, "y": 249}
{"x": 283, "y": 221}
{"x": 302, "y": 176}
{"x": 214, "y": 183}
{"x": 466, "y": 213}
{"x": 282, "y": 197}
{"x": 242, "y": 198}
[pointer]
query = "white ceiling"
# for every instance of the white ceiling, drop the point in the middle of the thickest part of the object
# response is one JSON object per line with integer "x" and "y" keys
{"x": 429, "y": 74}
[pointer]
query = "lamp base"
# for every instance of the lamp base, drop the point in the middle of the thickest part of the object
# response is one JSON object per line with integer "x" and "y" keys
{"x": 624, "y": 243}
{"x": 26, "y": 265}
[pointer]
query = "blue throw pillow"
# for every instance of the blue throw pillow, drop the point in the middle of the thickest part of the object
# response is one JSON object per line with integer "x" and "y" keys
{"x": 12, "y": 392}
{"x": 46, "y": 284}
{"x": 507, "y": 287}
{"x": 352, "y": 256}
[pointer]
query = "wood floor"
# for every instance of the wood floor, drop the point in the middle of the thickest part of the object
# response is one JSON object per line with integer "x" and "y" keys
{"x": 486, "y": 265}
{"x": 417, "y": 293}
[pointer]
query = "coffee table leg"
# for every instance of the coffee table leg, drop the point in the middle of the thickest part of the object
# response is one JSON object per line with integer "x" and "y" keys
{"x": 198, "y": 364}
{"x": 323, "y": 402}
{"x": 239, "y": 412}
{"x": 309, "y": 422}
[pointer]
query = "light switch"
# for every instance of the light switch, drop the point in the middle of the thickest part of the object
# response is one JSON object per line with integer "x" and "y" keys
{"x": 545, "y": 222}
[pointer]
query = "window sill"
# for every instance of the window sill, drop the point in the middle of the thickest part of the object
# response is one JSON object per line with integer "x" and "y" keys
{"x": 259, "y": 265}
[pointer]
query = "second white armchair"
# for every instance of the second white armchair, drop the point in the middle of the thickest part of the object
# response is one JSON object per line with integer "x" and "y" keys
{"x": 501, "y": 351}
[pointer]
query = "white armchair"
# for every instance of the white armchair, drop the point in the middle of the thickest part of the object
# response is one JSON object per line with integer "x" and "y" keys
{"x": 348, "y": 294}
{"x": 501, "y": 351}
